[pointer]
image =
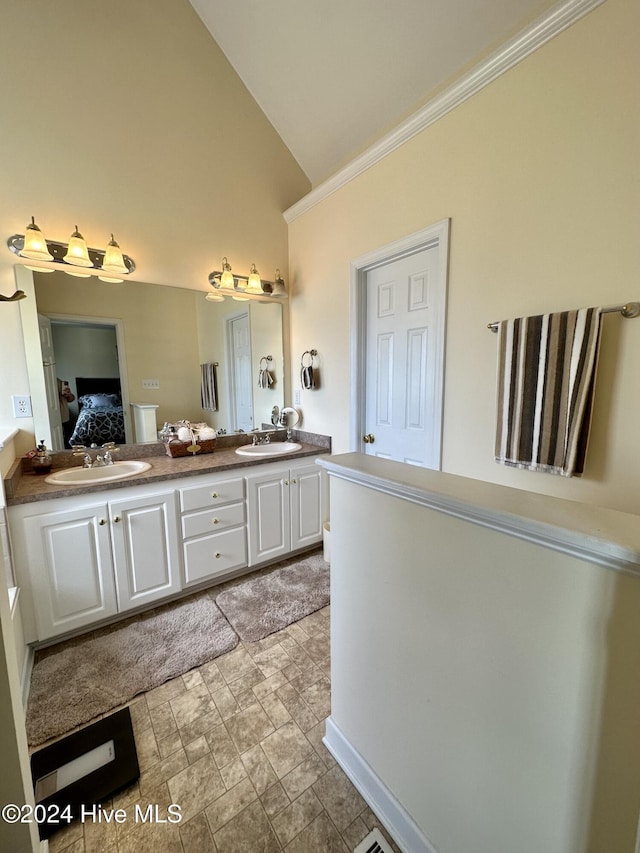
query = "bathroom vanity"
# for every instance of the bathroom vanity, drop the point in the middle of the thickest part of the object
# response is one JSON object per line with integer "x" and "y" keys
{"x": 84, "y": 556}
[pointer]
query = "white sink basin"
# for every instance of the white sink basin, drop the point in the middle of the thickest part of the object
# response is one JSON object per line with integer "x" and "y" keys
{"x": 277, "y": 448}
{"x": 91, "y": 476}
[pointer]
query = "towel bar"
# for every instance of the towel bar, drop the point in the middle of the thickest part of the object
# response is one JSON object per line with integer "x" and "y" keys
{"x": 629, "y": 309}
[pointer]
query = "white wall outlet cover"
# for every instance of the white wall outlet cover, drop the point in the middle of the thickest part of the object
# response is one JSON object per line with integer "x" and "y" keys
{"x": 22, "y": 406}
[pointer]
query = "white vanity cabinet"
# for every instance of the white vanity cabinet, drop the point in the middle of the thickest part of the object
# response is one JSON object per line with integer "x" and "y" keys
{"x": 287, "y": 508}
{"x": 94, "y": 562}
{"x": 84, "y": 559}
{"x": 214, "y": 537}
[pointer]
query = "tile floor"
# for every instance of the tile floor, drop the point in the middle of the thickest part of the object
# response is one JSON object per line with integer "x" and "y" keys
{"x": 237, "y": 744}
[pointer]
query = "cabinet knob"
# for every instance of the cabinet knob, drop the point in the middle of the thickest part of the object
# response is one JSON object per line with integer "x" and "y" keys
{"x": 214, "y": 494}
{"x": 215, "y": 521}
{"x": 294, "y": 482}
{"x": 102, "y": 521}
{"x": 117, "y": 519}
{"x": 218, "y": 555}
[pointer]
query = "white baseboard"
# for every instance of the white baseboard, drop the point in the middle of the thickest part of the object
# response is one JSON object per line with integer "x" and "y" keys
{"x": 397, "y": 821}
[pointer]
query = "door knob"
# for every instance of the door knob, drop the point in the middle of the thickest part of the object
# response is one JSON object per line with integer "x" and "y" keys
{"x": 368, "y": 438}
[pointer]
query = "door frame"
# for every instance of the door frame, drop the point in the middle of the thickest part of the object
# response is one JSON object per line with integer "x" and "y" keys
{"x": 231, "y": 373}
{"x": 123, "y": 373}
{"x": 436, "y": 235}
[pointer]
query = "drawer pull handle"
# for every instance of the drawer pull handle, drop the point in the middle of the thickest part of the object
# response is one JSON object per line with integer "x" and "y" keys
{"x": 214, "y": 494}
{"x": 218, "y": 555}
{"x": 215, "y": 520}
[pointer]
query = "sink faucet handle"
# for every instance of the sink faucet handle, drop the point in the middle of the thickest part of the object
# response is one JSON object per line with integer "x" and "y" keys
{"x": 78, "y": 449}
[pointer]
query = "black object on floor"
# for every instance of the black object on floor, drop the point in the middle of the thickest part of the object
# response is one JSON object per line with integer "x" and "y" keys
{"x": 76, "y": 773}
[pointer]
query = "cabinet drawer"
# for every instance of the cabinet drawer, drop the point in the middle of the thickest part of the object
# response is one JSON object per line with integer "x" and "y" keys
{"x": 212, "y": 520}
{"x": 215, "y": 494}
{"x": 213, "y": 555}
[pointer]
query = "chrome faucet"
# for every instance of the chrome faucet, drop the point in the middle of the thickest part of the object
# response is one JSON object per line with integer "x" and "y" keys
{"x": 261, "y": 439}
{"x": 100, "y": 459}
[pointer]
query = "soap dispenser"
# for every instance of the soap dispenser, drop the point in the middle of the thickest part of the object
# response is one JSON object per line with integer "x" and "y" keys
{"x": 41, "y": 462}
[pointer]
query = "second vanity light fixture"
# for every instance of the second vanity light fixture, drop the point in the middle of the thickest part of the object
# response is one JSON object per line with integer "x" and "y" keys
{"x": 74, "y": 257}
{"x": 242, "y": 287}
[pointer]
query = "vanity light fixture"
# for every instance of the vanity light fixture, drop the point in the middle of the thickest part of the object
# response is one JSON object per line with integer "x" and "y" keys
{"x": 73, "y": 257}
{"x": 242, "y": 287}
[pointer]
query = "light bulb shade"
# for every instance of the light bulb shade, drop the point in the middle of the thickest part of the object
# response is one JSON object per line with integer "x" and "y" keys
{"x": 109, "y": 280}
{"x": 226, "y": 279}
{"x": 77, "y": 252}
{"x": 278, "y": 285}
{"x": 78, "y": 274}
{"x": 214, "y": 297}
{"x": 113, "y": 260}
{"x": 254, "y": 285}
{"x": 35, "y": 245}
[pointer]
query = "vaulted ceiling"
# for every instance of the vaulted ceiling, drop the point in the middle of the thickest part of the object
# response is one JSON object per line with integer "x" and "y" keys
{"x": 333, "y": 76}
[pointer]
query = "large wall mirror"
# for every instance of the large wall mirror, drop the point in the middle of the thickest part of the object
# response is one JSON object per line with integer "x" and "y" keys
{"x": 152, "y": 340}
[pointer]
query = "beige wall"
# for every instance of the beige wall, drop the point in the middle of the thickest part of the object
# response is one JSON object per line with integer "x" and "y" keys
{"x": 502, "y": 674}
{"x": 539, "y": 176}
{"x": 128, "y": 118}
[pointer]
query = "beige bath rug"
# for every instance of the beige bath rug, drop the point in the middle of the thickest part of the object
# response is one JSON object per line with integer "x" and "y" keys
{"x": 89, "y": 676}
{"x": 266, "y": 604}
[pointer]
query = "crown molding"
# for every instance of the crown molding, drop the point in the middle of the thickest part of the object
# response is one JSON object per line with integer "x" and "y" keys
{"x": 502, "y": 60}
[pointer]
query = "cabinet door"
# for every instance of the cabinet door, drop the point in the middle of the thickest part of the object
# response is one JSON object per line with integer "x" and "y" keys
{"x": 146, "y": 554}
{"x": 269, "y": 522}
{"x": 71, "y": 569}
{"x": 307, "y": 505}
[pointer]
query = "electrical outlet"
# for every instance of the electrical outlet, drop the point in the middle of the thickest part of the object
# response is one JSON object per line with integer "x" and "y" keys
{"x": 151, "y": 384}
{"x": 296, "y": 397}
{"x": 22, "y": 406}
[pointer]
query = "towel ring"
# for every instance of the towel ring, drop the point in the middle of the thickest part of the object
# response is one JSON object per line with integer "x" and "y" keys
{"x": 266, "y": 358}
{"x": 312, "y": 353}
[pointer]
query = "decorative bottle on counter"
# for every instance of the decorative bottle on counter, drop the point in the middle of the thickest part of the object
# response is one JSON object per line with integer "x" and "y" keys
{"x": 41, "y": 462}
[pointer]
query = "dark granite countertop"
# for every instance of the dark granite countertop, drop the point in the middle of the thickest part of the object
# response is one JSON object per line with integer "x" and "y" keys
{"x": 23, "y": 486}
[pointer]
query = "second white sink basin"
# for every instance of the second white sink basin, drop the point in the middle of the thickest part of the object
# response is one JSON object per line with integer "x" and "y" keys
{"x": 103, "y": 474}
{"x": 277, "y": 448}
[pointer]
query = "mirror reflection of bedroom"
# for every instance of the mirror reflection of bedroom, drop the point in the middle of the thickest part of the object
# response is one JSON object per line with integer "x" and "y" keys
{"x": 84, "y": 359}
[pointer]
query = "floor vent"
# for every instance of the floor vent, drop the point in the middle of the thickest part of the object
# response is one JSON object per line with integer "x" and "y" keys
{"x": 373, "y": 843}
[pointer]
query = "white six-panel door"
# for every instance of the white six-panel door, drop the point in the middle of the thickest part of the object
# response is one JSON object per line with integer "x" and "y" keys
{"x": 402, "y": 360}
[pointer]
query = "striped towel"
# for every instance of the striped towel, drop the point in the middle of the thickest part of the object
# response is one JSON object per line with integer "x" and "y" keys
{"x": 209, "y": 387}
{"x": 546, "y": 382}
